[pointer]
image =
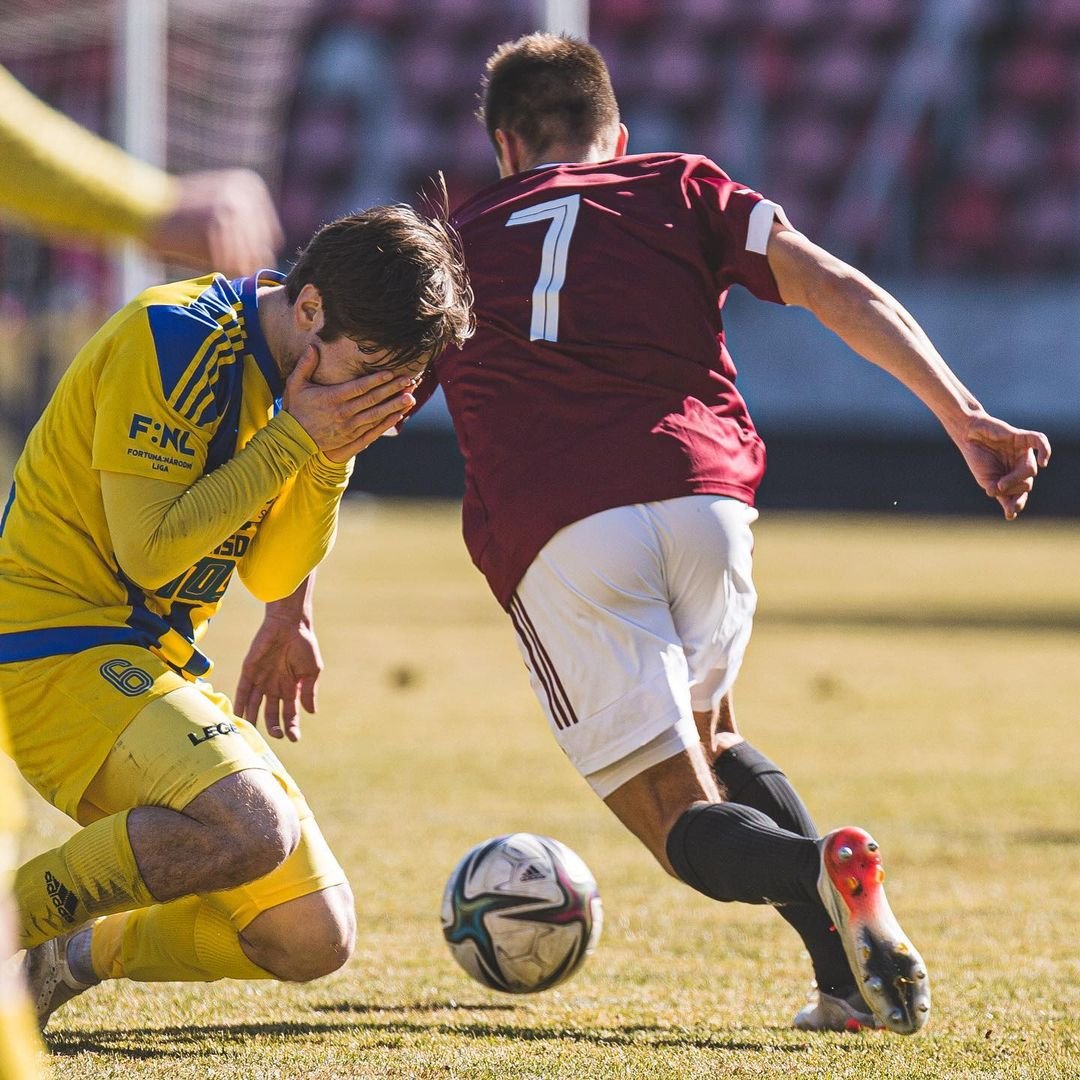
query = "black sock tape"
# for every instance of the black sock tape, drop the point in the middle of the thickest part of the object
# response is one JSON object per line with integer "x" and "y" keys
{"x": 741, "y": 765}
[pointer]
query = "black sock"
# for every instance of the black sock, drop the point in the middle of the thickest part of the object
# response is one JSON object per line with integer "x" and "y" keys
{"x": 751, "y": 779}
{"x": 731, "y": 852}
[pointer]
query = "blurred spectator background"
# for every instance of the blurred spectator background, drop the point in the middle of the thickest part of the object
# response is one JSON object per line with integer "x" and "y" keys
{"x": 935, "y": 143}
{"x": 372, "y": 95}
{"x": 982, "y": 164}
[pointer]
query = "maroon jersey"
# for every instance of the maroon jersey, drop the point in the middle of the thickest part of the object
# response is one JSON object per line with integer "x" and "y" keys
{"x": 598, "y": 375}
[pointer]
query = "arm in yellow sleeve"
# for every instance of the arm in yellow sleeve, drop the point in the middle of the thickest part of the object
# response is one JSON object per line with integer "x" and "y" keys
{"x": 158, "y": 530}
{"x": 299, "y": 530}
{"x": 60, "y": 176}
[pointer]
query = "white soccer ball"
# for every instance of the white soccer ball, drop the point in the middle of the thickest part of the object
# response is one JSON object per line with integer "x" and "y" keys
{"x": 521, "y": 913}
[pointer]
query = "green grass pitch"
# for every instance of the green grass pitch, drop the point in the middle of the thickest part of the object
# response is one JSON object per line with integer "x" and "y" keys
{"x": 918, "y": 678}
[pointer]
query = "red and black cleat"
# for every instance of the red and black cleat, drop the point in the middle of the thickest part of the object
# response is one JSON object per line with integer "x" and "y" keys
{"x": 890, "y": 972}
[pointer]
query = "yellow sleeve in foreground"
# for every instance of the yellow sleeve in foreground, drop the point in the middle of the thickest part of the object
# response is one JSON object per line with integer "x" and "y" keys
{"x": 160, "y": 529}
{"x": 298, "y": 532}
{"x": 60, "y": 176}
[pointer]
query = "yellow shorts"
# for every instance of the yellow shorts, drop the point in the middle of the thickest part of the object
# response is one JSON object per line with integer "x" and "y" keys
{"x": 182, "y": 738}
{"x": 65, "y": 713}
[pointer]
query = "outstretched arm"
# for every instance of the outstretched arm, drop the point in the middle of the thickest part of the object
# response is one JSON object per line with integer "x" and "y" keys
{"x": 1003, "y": 459}
{"x": 60, "y": 177}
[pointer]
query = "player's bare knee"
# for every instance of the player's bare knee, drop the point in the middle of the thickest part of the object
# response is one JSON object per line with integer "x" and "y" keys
{"x": 266, "y": 833}
{"x": 254, "y": 822}
{"x": 328, "y": 942}
{"x": 307, "y": 938}
{"x": 268, "y": 841}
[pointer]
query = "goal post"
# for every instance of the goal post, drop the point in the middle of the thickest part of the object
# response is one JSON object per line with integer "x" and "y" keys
{"x": 566, "y": 17}
{"x": 140, "y": 77}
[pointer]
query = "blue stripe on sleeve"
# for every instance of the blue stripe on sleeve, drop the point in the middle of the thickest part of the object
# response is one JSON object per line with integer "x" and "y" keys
{"x": 183, "y": 331}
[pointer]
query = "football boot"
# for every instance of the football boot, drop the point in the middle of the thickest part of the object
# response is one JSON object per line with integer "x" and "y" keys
{"x": 889, "y": 972}
{"x": 827, "y": 1012}
{"x": 48, "y": 977}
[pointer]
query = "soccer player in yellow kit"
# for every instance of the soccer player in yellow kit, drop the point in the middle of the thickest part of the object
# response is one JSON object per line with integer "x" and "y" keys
{"x": 208, "y": 427}
{"x": 57, "y": 176}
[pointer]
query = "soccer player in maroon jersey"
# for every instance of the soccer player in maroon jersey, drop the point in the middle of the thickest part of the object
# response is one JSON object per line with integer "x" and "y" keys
{"x": 611, "y": 467}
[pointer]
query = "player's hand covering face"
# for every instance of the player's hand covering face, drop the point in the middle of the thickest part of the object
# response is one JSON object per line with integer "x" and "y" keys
{"x": 348, "y": 416}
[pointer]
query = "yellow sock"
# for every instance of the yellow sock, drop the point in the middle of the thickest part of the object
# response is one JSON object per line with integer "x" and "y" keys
{"x": 93, "y": 873}
{"x": 20, "y": 1046}
{"x": 187, "y": 940}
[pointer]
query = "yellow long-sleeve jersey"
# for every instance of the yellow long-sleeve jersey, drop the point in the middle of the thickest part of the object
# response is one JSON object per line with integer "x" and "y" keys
{"x": 161, "y": 465}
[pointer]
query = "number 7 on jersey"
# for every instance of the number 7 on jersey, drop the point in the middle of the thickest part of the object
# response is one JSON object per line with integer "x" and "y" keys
{"x": 562, "y": 213}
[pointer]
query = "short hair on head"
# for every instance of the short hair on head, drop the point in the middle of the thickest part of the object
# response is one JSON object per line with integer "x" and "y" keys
{"x": 390, "y": 279}
{"x": 548, "y": 89}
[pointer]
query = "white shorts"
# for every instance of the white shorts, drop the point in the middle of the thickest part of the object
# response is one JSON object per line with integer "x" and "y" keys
{"x": 631, "y": 620}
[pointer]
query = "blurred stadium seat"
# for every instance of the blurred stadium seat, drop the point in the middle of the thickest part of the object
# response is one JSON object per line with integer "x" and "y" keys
{"x": 813, "y": 92}
{"x": 362, "y": 100}
{"x": 1003, "y": 125}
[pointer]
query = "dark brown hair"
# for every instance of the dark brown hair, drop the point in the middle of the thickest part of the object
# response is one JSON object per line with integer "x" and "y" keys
{"x": 389, "y": 279}
{"x": 548, "y": 89}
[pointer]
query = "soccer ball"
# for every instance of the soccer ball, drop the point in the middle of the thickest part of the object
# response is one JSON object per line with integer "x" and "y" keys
{"x": 521, "y": 913}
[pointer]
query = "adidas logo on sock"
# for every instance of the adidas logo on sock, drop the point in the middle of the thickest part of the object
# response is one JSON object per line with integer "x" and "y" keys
{"x": 63, "y": 899}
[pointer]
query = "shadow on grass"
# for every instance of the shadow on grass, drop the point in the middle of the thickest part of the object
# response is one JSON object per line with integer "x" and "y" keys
{"x": 1063, "y": 837}
{"x": 355, "y": 1008}
{"x": 896, "y": 619}
{"x": 176, "y": 1042}
{"x": 208, "y": 1039}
